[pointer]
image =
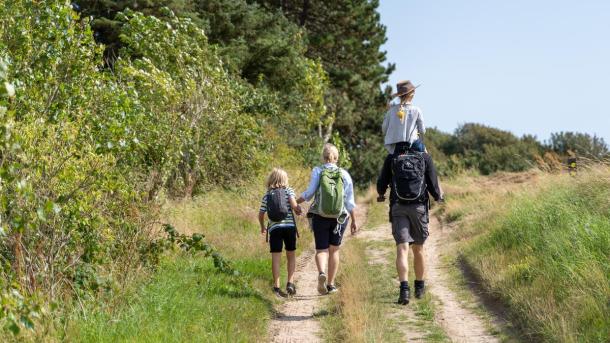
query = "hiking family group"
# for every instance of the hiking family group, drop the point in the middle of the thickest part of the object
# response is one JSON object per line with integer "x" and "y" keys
{"x": 409, "y": 172}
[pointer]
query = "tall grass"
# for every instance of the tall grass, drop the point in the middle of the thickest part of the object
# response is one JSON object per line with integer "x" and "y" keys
{"x": 186, "y": 299}
{"x": 545, "y": 251}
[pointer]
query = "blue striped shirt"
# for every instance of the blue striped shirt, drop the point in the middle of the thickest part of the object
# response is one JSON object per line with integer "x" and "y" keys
{"x": 289, "y": 220}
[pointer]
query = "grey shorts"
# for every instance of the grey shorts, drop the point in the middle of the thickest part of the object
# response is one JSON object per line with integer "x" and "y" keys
{"x": 410, "y": 223}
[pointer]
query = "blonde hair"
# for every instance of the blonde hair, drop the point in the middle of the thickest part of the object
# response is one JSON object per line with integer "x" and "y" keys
{"x": 277, "y": 179}
{"x": 330, "y": 153}
{"x": 407, "y": 97}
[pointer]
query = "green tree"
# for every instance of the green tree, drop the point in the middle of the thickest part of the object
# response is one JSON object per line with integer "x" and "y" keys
{"x": 346, "y": 36}
{"x": 579, "y": 143}
{"x": 106, "y": 26}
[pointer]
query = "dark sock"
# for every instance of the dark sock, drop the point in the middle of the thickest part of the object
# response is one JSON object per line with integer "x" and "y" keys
{"x": 419, "y": 283}
{"x": 404, "y": 284}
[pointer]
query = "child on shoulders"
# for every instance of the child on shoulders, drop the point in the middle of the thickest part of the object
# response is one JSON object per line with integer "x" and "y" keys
{"x": 404, "y": 122}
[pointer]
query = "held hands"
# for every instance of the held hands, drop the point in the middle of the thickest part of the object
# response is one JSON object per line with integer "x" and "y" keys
{"x": 381, "y": 198}
{"x": 298, "y": 210}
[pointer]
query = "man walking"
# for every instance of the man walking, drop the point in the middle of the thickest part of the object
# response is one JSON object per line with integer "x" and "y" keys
{"x": 411, "y": 176}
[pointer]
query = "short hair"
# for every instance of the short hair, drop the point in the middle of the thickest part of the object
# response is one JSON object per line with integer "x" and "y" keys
{"x": 278, "y": 178}
{"x": 330, "y": 153}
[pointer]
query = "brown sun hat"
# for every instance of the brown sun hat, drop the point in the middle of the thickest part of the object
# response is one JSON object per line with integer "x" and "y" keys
{"x": 403, "y": 88}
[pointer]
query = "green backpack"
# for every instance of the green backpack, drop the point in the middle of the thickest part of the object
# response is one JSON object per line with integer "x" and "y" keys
{"x": 330, "y": 193}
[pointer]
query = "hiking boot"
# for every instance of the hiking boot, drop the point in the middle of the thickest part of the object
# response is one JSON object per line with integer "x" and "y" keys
{"x": 403, "y": 297}
{"x": 279, "y": 293}
{"x": 331, "y": 289}
{"x": 322, "y": 284}
{"x": 420, "y": 289}
{"x": 291, "y": 289}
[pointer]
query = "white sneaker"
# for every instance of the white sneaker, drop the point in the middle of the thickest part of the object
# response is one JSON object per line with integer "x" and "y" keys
{"x": 322, "y": 284}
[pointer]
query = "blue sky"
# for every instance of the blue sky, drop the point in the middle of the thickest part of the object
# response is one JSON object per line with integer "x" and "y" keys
{"x": 534, "y": 67}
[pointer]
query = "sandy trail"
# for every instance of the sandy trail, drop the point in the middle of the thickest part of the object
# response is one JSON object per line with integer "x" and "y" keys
{"x": 379, "y": 256}
{"x": 459, "y": 322}
{"x": 295, "y": 320}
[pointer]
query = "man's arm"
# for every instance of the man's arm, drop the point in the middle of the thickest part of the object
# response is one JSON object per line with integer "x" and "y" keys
{"x": 385, "y": 177}
{"x": 432, "y": 183}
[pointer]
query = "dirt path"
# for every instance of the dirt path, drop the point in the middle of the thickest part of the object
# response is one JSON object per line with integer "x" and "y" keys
{"x": 404, "y": 316}
{"x": 459, "y": 322}
{"x": 295, "y": 320}
{"x": 453, "y": 314}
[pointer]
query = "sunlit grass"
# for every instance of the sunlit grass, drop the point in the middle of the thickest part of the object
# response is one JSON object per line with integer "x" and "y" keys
{"x": 543, "y": 248}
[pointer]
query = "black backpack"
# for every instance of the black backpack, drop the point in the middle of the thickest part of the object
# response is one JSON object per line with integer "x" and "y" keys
{"x": 409, "y": 176}
{"x": 277, "y": 206}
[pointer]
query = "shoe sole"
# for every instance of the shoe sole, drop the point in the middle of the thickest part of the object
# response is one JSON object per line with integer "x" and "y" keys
{"x": 404, "y": 302}
{"x": 322, "y": 284}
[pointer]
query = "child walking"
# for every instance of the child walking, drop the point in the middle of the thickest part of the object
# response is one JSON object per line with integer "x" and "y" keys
{"x": 404, "y": 123}
{"x": 279, "y": 203}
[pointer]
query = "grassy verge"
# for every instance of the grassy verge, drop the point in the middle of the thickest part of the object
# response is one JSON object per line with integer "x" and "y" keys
{"x": 186, "y": 299}
{"x": 542, "y": 249}
{"x": 365, "y": 311}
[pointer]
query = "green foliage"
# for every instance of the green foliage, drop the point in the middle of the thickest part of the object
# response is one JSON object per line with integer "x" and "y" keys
{"x": 86, "y": 151}
{"x": 346, "y": 37}
{"x": 479, "y": 147}
{"x": 581, "y": 144}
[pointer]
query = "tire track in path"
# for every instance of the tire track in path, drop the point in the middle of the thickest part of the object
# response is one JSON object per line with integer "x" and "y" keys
{"x": 455, "y": 316}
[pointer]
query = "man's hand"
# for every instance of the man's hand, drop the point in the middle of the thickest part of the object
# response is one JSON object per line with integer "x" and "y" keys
{"x": 298, "y": 210}
{"x": 353, "y": 226}
{"x": 263, "y": 231}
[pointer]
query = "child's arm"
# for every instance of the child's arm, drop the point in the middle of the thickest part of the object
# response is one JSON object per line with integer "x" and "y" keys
{"x": 421, "y": 128}
{"x": 261, "y": 221}
{"x": 295, "y": 207}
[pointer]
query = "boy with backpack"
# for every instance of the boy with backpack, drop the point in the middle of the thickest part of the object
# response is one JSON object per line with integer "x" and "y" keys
{"x": 333, "y": 206}
{"x": 279, "y": 203}
{"x": 404, "y": 122}
{"x": 411, "y": 176}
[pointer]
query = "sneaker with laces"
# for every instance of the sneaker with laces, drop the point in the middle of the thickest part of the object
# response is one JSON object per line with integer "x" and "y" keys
{"x": 420, "y": 289}
{"x": 291, "y": 289}
{"x": 279, "y": 293}
{"x": 403, "y": 297}
{"x": 322, "y": 284}
{"x": 331, "y": 289}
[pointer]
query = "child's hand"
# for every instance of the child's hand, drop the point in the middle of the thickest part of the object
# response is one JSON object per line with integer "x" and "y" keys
{"x": 298, "y": 210}
{"x": 263, "y": 231}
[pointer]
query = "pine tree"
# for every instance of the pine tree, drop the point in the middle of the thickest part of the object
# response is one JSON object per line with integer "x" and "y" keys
{"x": 347, "y": 35}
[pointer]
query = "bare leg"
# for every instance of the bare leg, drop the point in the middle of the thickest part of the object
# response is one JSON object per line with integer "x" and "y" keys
{"x": 402, "y": 261}
{"x": 321, "y": 260}
{"x": 276, "y": 260}
{"x": 291, "y": 257}
{"x": 333, "y": 263}
{"x": 418, "y": 259}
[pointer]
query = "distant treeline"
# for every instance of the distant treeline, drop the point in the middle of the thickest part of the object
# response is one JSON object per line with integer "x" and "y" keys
{"x": 487, "y": 150}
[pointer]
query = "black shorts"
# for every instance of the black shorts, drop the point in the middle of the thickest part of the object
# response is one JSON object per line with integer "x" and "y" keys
{"x": 283, "y": 236}
{"x": 327, "y": 231}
